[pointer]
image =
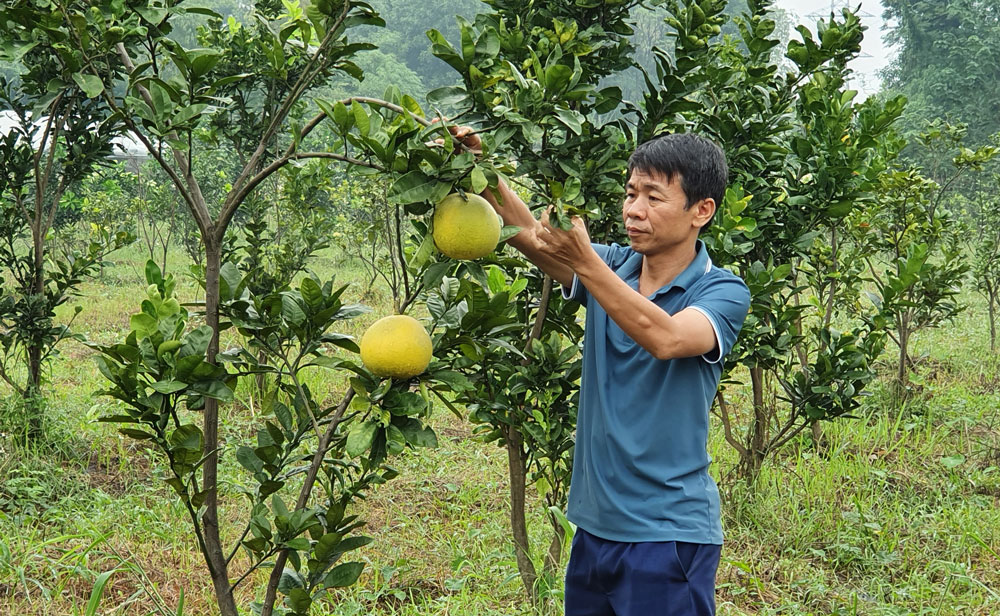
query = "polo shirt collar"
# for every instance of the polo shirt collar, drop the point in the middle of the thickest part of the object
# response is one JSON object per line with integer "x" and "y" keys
{"x": 694, "y": 271}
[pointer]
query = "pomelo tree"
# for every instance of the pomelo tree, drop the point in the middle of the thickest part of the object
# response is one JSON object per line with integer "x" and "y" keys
{"x": 788, "y": 184}
{"x": 919, "y": 237}
{"x": 168, "y": 376}
{"x": 530, "y": 77}
{"x": 58, "y": 135}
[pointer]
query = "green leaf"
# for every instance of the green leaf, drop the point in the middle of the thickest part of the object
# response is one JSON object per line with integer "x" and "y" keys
{"x": 248, "y": 459}
{"x": 361, "y": 119}
{"x": 557, "y": 77}
{"x": 311, "y": 293}
{"x": 478, "y": 179}
{"x": 216, "y": 390}
{"x": 418, "y": 435}
{"x": 97, "y": 592}
{"x": 344, "y": 575}
{"x": 91, "y": 85}
{"x": 570, "y": 119}
{"x": 230, "y": 280}
{"x": 143, "y": 325}
{"x": 360, "y": 438}
{"x": 188, "y": 113}
{"x": 449, "y": 96}
{"x": 291, "y": 311}
{"x": 153, "y": 273}
{"x": 196, "y": 342}
{"x": 953, "y": 461}
{"x": 413, "y": 187}
{"x": 141, "y": 435}
{"x": 300, "y": 601}
{"x": 168, "y": 387}
{"x": 203, "y": 61}
{"x": 187, "y": 441}
{"x": 331, "y": 363}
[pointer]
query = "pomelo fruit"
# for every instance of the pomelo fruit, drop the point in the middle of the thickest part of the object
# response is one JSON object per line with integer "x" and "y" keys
{"x": 465, "y": 227}
{"x": 396, "y": 346}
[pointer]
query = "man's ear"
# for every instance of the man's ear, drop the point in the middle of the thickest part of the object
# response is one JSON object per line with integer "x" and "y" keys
{"x": 703, "y": 211}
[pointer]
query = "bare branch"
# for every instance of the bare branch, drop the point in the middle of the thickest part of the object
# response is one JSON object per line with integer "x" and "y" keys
{"x": 727, "y": 425}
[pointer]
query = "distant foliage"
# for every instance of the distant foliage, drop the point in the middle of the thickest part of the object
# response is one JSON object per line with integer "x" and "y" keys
{"x": 948, "y": 63}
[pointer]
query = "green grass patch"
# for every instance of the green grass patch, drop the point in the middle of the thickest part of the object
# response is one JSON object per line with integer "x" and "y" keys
{"x": 898, "y": 513}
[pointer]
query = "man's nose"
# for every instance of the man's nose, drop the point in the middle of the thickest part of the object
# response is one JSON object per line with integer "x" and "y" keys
{"x": 636, "y": 209}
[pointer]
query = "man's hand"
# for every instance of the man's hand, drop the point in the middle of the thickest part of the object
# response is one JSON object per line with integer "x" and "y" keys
{"x": 568, "y": 247}
{"x": 465, "y": 136}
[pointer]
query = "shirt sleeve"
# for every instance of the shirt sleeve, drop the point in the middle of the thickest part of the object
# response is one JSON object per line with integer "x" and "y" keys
{"x": 725, "y": 302}
{"x": 613, "y": 254}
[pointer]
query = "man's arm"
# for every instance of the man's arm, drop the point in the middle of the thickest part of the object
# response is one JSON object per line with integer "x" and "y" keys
{"x": 689, "y": 333}
{"x": 515, "y": 212}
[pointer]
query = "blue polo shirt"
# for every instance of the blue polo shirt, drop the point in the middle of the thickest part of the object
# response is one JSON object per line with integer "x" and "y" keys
{"x": 640, "y": 466}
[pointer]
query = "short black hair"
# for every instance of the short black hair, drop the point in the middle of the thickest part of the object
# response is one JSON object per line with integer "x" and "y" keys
{"x": 698, "y": 161}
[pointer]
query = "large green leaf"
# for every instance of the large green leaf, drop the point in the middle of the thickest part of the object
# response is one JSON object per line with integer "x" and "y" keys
{"x": 91, "y": 85}
{"x": 360, "y": 438}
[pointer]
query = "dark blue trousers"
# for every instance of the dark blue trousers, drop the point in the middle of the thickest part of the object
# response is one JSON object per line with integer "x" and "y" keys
{"x": 656, "y": 578}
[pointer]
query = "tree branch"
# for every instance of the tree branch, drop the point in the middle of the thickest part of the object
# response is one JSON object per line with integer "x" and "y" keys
{"x": 727, "y": 425}
{"x": 317, "y": 461}
{"x": 188, "y": 187}
{"x": 21, "y": 392}
{"x": 242, "y": 187}
{"x": 286, "y": 106}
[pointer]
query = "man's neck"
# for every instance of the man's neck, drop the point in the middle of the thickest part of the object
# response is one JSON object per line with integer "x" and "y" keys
{"x": 661, "y": 268}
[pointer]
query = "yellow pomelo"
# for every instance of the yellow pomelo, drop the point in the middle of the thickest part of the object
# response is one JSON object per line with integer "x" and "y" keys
{"x": 465, "y": 229}
{"x": 397, "y": 346}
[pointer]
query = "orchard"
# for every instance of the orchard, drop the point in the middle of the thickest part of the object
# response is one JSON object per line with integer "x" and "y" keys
{"x": 267, "y": 346}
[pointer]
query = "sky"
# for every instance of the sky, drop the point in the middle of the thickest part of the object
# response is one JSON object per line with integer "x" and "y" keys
{"x": 874, "y": 53}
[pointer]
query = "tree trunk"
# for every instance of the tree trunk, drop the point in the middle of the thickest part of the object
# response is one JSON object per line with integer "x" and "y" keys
{"x": 901, "y": 368}
{"x": 32, "y": 403}
{"x": 757, "y": 446}
{"x": 992, "y": 303}
{"x": 517, "y": 472}
{"x": 554, "y": 555}
{"x": 817, "y": 435}
{"x": 215, "y": 556}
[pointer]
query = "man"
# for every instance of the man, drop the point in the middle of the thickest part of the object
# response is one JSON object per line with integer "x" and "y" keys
{"x": 660, "y": 318}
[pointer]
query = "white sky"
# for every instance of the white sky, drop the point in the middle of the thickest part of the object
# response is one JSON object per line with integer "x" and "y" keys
{"x": 874, "y": 54}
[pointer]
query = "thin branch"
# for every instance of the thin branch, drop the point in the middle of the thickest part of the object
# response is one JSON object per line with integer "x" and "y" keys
{"x": 776, "y": 444}
{"x": 286, "y": 106}
{"x": 6, "y": 377}
{"x": 401, "y": 256}
{"x": 188, "y": 187}
{"x": 543, "y": 309}
{"x": 251, "y": 569}
{"x": 727, "y": 425}
{"x": 242, "y": 187}
{"x": 237, "y": 197}
{"x": 314, "y": 466}
{"x": 36, "y": 160}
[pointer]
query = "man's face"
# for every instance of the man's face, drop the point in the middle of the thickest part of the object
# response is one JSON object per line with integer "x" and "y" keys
{"x": 654, "y": 213}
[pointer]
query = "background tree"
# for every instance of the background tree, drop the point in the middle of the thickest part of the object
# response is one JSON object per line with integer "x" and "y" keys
{"x": 920, "y": 238}
{"x": 61, "y": 133}
{"x": 946, "y": 64}
{"x": 985, "y": 250}
{"x": 786, "y": 187}
{"x": 161, "y": 92}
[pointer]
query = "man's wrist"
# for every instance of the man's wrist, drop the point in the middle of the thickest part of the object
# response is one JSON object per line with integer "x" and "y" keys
{"x": 588, "y": 266}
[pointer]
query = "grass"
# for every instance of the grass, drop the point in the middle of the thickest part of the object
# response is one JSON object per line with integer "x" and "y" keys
{"x": 899, "y": 514}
